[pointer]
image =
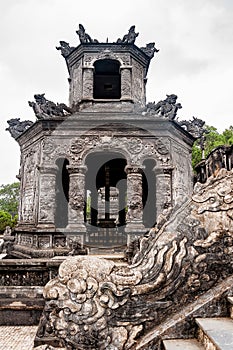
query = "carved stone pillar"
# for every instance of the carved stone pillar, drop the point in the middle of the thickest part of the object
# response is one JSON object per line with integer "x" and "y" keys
{"x": 163, "y": 189}
{"x": 47, "y": 197}
{"x": 76, "y": 198}
{"x": 134, "y": 217}
{"x": 87, "y": 83}
{"x": 126, "y": 83}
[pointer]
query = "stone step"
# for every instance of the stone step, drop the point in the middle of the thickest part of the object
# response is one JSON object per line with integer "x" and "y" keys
{"x": 18, "y": 338}
{"x": 215, "y": 333}
{"x": 182, "y": 344}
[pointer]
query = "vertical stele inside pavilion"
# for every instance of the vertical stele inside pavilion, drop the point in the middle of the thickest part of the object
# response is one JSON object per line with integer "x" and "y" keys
{"x": 98, "y": 173}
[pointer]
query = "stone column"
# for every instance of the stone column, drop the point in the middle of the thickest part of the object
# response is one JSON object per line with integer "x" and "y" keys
{"x": 126, "y": 83}
{"x": 88, "y": 83}
{"x": 76, "y": 199}
{"x": 163, "y": 189}
{"x": 134, "y": 217}
{"x": 47, "y": 197}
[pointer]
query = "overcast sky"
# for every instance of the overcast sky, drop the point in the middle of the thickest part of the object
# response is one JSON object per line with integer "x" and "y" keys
{"x": 195, "y": 60}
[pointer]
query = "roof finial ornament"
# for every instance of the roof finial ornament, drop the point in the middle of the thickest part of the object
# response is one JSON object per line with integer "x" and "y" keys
{"x": 17, "y": 127}
{"x": 45, "y": 109}
{"x": 65, "y": 48}
{"x": 129, "y": 38}
{"x": 166, "y": 108}
{"x": 83, "y": 36}
{"x": 196, "y": 127}
{"x": 150, "y": 49}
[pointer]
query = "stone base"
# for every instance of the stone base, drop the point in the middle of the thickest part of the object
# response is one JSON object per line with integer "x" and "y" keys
{"x": 21, "y": 290}
{"x": 135, "y": 227}
{"x": 44, "y": 244}
{"x": 23, "y": 252}
{"x": 76, "y": 227}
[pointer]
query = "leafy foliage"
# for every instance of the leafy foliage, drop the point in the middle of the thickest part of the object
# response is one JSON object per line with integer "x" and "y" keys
{"x": 9, "y": 198}
{"x": 6, "y": 220}
{"x": 213, "y": 140}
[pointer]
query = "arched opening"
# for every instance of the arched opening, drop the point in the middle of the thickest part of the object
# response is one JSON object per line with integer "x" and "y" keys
{"x": 149, "y": 193}
{"x": 62, "y": 193}
{"x": 107, "y": 79}
{"x": 106, "y": 198}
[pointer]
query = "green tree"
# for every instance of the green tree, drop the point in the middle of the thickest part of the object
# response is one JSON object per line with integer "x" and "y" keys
{"x": 9, "y": 198}
{"x": 6, "y": 220}
{"x": 213, "y": 140}
{"x": 228, "y": 136}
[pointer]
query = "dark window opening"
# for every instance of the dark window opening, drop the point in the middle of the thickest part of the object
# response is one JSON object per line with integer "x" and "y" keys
{"x": 62, "y": 193}
{"x": 149, "y": 193}
{"x": 108, "y": 87}
{"x": 107, "y": 79}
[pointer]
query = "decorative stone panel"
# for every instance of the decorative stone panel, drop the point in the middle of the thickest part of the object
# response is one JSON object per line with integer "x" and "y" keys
{"x": 135, "y": 149}
{"x": 76, "y": 198}
{"x": 47, "y": 197}
{"x": 134, "y": 217}
{"x": 29, "y": 172}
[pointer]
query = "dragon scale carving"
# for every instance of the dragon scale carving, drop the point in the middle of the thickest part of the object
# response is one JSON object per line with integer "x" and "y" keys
{"x": 94, "y": 304}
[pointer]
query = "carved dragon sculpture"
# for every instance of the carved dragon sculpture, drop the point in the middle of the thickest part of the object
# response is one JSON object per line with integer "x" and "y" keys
{"x": 45, "y": 109}
{"x": 94, "y": 304}
{"x": 17, "y": 127}
{"x": 167, "y": 108}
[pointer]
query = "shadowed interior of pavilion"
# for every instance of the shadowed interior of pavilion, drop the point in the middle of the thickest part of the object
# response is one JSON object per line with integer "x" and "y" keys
{"x": 105, "y": 210}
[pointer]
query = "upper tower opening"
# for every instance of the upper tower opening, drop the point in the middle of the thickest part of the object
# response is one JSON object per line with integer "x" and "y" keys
{"x": 107, "y": 79}
{"x": 107, "y": 74}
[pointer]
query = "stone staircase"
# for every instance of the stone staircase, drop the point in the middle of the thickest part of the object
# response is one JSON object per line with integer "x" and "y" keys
{"x": 213, "y": 333}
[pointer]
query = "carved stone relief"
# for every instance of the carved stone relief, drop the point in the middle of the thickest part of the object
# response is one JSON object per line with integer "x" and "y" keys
{"x": 163, "y": 190}
{"x": 88, "y": 83}
{"x": 74, "y": 240}
{"x": 47, "y": 196}
{"x": 182, "y": 186}
{"x": 137, "y": 82}
{"x": 134, "y": 194}
{"x": 134, "y": 148}
{"x": 44, "y": 242}
{"x": 53, "y": 149}
{"x": 25, "y": 278}
{"x": 125, "y": 83}
{"x": 30, "y": 159}
{"x": 76, "y": 196}
{"x": 125, "y": 58}
{"x": 26, "y": 240}
{"x": 75, "y": 86}
{"x": 59, "y": 242}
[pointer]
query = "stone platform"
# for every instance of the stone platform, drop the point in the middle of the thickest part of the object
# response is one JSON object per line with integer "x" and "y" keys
{"x": 17, "y": 338}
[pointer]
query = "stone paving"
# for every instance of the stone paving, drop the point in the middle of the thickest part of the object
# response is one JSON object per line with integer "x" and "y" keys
{"x": 17, "y": 338}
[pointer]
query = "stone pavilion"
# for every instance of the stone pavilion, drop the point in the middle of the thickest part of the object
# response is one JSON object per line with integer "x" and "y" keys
{"x": 99, "y": 172}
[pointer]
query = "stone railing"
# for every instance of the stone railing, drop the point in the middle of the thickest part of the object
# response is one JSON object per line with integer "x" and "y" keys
{"x": 221, "y": 157}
